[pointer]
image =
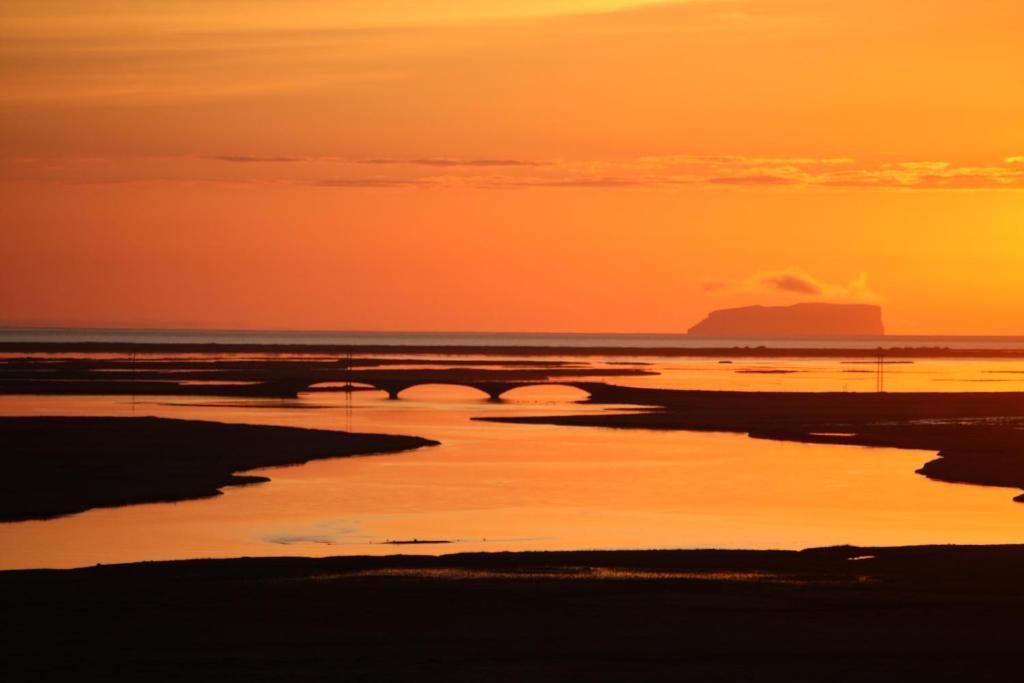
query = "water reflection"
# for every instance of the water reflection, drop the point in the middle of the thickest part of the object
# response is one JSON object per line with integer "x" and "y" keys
{"x": 514, "y": 487}
{"x": 831, "y": 374}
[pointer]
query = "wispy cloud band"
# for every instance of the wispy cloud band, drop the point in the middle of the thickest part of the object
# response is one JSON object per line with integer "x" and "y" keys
{"x": 751, "y": 173}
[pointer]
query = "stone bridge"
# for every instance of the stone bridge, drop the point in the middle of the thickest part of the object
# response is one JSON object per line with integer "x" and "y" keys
{"x": 494, "y": 389}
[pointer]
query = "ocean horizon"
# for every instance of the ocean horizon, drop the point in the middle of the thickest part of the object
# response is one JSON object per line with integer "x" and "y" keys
{"x": 15, "y": 334}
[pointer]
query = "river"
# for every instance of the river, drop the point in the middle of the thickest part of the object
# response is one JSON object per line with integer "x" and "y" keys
{"x": 493, "y": 486}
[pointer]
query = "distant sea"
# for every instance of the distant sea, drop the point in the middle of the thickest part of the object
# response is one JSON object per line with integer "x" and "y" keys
{"x": 539, "y": 339}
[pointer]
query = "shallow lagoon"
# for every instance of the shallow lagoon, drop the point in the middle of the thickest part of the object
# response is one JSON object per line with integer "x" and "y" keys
{"x": 493, "y": 486}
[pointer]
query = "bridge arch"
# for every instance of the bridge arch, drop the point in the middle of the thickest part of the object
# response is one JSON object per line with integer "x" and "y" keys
{"x": 552, "y": 391}
{"x": 395, "y": 390}
{"x": 495, "y": 390}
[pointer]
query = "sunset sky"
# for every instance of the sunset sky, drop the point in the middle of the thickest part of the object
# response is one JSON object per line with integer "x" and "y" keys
{"x": 526, "y": 165}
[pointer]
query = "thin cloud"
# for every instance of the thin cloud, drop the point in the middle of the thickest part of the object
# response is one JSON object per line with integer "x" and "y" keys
{"x": 444, "y": 163}
{"x": 247, "y": 159}
{"x": 924, "y": 166}
{"x": 934, "y": 175}
{"x": 726, "y": 173}
{"x": 797, "y": 283}
{"x": 753, "y": 180}
{"x": 577, "y": 181}
{"x": 373, "y": 182}
{"x": 740, "y": 160}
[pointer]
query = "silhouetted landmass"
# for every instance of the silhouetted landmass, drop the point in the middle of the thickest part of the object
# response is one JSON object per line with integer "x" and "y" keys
{"x": 270, "y": 378}
{"x": 979, "y": 436}
{"x": 842, "y": 614}
{"x": 798, "y": 320}
{"x": 56, "y": 466}
{"x": 1001, "y": 464}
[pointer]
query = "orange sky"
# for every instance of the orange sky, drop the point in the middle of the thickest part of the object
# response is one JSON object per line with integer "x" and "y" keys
{"x": 562, "y": 165}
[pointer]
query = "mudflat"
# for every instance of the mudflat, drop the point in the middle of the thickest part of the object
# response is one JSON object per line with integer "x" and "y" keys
{"x": 61, "y": 465}
{"x": 831, "y": 614}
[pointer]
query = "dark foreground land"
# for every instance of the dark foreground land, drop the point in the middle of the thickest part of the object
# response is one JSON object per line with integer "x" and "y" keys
{"x": 907, "y": 614}
{"x": 56, "y": 466}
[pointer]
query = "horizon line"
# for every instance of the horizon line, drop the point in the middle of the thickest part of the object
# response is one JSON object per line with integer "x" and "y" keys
{"x": 240, "y": 330}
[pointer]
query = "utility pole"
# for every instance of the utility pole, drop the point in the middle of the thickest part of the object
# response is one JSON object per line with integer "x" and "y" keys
{"x": 133, "y": 381}
{"x": 347, "y": 389}
{"x": 880, "y": 371}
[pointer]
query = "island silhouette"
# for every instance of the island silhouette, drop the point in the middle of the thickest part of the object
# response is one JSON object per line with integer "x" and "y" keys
{"x": 797, "y": 320}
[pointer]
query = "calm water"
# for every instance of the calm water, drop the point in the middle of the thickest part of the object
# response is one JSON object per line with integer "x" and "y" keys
{"x": 830, "y": 374}
{"x": 515, "y": 487}
{"x": 653, "y": 341}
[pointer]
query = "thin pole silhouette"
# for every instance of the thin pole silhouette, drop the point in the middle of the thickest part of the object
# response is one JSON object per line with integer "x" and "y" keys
{"x": 880, "y": 371}
{"x": 133, "y": 381}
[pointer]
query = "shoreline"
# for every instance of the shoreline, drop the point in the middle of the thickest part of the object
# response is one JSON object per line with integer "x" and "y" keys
{"x": 57, "y": 466}
{"x": 978, "y": 437}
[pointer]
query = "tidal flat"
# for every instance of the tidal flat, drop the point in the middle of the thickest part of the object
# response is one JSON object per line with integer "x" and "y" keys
{"x": 642, "y": 466}
{"x": 938, "y": 613}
